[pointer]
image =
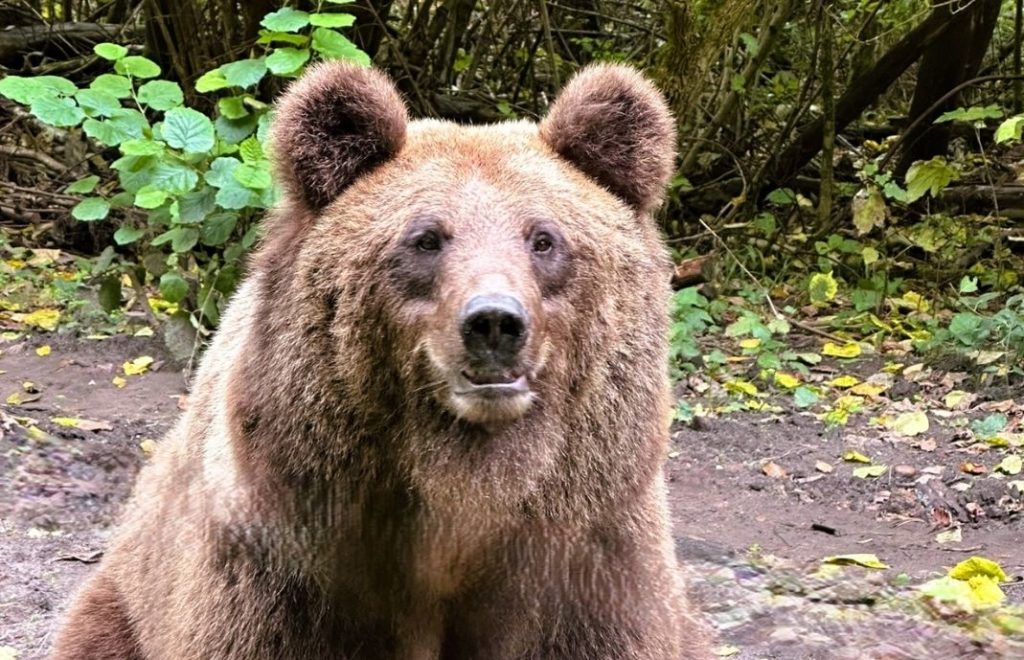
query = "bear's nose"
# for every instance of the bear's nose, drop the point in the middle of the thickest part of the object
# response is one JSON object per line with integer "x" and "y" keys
{"x": 493, "y": 329}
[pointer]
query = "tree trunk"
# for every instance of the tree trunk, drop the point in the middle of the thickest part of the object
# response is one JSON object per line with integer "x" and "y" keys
{"x": 946, "y": 63}
{"x": 860, "y": 94}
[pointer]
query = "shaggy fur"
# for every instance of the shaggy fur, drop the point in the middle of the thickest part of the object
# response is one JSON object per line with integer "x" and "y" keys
{"x": 328, "y": 494}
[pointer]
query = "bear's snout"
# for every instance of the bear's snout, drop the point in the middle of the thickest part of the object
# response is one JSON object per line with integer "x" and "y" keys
{"x": 494, "y": 329}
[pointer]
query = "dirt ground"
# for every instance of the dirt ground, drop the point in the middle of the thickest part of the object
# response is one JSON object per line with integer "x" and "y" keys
{"x": 752, "y": 537}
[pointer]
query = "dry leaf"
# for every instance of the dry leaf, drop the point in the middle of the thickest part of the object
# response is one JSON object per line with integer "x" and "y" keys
{"x": 773, "y": 470}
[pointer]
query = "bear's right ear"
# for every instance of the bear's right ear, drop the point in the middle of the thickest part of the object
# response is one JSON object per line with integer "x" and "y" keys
{"x": 333, "y": 125}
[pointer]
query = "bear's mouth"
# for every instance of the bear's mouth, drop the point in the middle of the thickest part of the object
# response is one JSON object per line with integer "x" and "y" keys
{"x": 491, "y": 383}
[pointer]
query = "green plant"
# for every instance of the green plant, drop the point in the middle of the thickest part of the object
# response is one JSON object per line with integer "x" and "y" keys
{"x": 690, "y": 320}
{"x": 189, "y": 187}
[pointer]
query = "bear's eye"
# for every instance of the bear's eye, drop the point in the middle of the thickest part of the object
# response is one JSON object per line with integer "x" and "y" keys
{"x": 429, "y": 241}
{"x": 542, "y": 243}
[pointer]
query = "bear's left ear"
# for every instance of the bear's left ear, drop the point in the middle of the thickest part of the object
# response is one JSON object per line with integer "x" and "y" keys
{"x": 333, "y": 125}
{"x": 614, "y": 125}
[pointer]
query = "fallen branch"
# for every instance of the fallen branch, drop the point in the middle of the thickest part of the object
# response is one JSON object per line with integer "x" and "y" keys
{"x": 24, "y": 153}
{"x": 29, "y": 37}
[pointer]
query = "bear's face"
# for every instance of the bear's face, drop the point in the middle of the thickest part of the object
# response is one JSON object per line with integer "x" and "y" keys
{"x": 483, "y": 243}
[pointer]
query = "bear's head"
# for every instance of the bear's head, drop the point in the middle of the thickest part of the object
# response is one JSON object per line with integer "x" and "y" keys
{"x": 480, "y": 268}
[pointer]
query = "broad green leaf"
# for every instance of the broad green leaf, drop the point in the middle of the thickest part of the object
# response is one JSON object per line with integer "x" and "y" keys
{"x": 251, "y": 150}
{"x": 193, "y": 207}
{"x": 232, "y": 107}
{"x": 1010, "y": 129}
{"x": 968, "y": 284}
{"x": 989, "y": 426}
{"x": 929, "y": 176}
{"x": 124, "y": 124}
{"x": 211, "y": 81}
{"x": 26, "y": 90}
{"x": 161, "y": 95}
{"x": 252, "y": 176}
{"x": 244, "y": 73}
{"x": 285, "y": 19}
{"x": 57, "y": 111}
{"x": 221, "y": 172}
{"x": 142, "y": 147}
{"x": 109, "y": 51}
{"x": 188, "y": 130}
{"x": 137, "y": 66}
{"x": 804, "y": 397}
{"x": 285, "y": 61}
{"x": 236, "y": 197}
{"x": 115, "y": 85}
{"x": 126, "y": 235}
{"x": 173, "y": 288}
{"x": 869, "y": 210}
{"x": 91, "y": 208}
{"x": 150, "y": 197}
{"x": 218, "y": 228}
{"x": 234, "y": 131}
{"x": 972, "y": 114}
{"x": 909, "y": 424}
{"x": 332, "y": 20}
{"x": 83, "y": 186}
{"x": 97, "y": 103}
{"x": 334, "y": 46}
{"x": 268, "y": 36}
{"x": 782, "y": 197}
{"x": 823, "y": 288}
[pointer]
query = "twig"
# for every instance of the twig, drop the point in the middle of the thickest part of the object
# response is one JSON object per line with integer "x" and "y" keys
{"x": 22, "y": 152}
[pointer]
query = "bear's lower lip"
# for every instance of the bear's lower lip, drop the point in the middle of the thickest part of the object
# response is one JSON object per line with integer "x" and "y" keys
{"x": 494, "y": 390}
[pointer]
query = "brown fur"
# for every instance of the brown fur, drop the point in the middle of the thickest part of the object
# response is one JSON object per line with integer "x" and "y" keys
{"x": 328, "y": 494}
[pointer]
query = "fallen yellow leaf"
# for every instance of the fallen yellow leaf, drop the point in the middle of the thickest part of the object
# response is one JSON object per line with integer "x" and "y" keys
{"x": 855, "y": 457}
{"x": 119, "y": 381}
{"x": 909, "y": 424}
{"x": 865, "y": 560}
{"x": 139, "y": 365}
{"x": 741, "y": 387}
{"x": 844, "y": 381}
{"x": 788, "y": 381}
{"x": 43, "y": 351}
{"x": 45, "y": 319}
{"x": 850, "y": 350}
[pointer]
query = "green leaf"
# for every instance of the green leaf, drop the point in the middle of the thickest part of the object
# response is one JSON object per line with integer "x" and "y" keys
{"x": 253, "y": 176}
{"x": 91, "y": 208}
{"x": 1010, "y": 129}
{"x": 285, "y": 19}
{"x": 251, "y": 150}
{"x": 188, "y": 130}
{"x": 928, "y": 176}
{"x": 150, "y": 197}
{"x": 782, "y": 197}
{"x": 109, "y": 295}
{"x": 869, "y": 210}
{"x": 267, "y": 36}
{"x": 804, "y": 397}
{"x": 870, "y": 255}
{"x": 234, "y": 131}
{"x": 332, "y": 20}
{"x": 232, "y": 107}
{"x": 285, "y": 61}
{"x": 218, "y": 228}
{"x": 83, "y": 186}
{"x": 173, "y": 288}
{"x": 334, "y": 46}
{"x": 137, "y": 66}
{"x": 114, "y": 85}
{"x": 57, "y": 111}
{"x": 27, "y": 90}
{"x": 125, "y": 234}
{"x": 909, "y": 424}
{"x": 823, "y": 288}
{"x": 161, "y": 95}
{"x": 990, "y": 426}
{"x": 97, "y": 103}
{"x": 972, "y": 114}
{"x": 968, "y": 284}
{"x": 211, "y": 81}
{"x": 124, "y": 124}
{"x": 244, "y": 73}
{"x": 142, "y": 147}
{"x": 109, "y": 51}
{"x": 195, "y": 206}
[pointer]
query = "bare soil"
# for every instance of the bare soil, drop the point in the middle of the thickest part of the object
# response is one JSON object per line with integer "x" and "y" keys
{"x": 753, "y": 544}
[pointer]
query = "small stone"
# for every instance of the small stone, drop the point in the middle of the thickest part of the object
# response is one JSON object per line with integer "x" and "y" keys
{"x": 908, "y": 471}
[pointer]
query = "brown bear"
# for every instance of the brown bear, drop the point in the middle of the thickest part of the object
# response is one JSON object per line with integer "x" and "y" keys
{"x": 433, "y": 422}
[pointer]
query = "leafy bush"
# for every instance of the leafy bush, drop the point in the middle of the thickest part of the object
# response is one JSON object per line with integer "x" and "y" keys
{"x": 188, "y": 186}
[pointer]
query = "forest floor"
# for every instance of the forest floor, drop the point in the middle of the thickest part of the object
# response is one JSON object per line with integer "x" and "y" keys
{"x": 761, "y": 499}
